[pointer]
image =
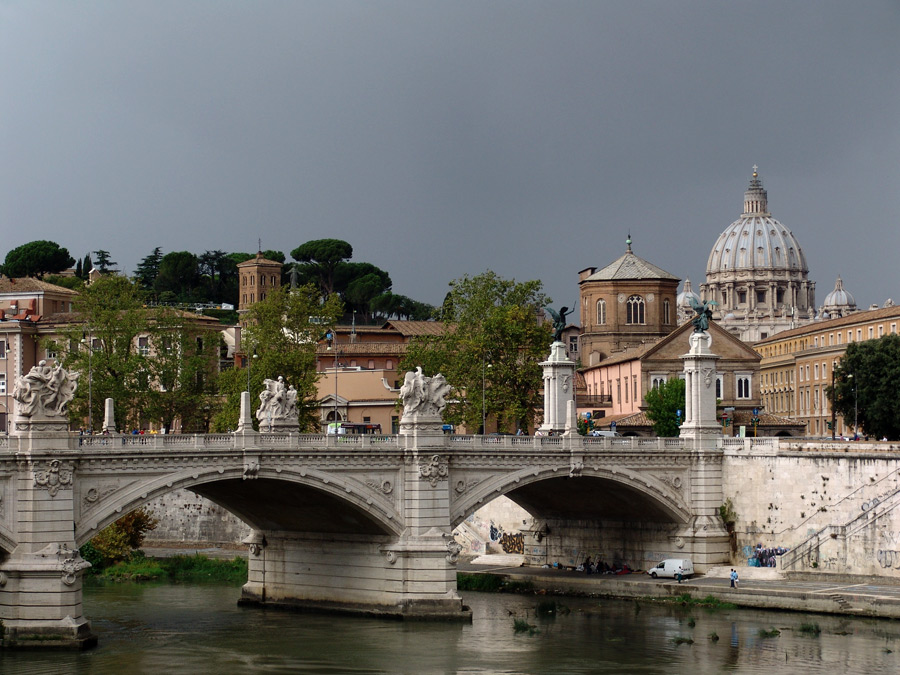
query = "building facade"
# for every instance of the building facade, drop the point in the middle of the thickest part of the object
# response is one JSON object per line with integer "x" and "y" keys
{"x": 797, "y": 366}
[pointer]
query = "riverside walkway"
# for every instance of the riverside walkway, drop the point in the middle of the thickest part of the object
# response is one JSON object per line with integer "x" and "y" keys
{"x": 869, "y": 597}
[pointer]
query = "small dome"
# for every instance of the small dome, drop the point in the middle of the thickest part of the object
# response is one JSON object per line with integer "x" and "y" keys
{"x": 683, "y": 298}
{"x": 839, "y": 301}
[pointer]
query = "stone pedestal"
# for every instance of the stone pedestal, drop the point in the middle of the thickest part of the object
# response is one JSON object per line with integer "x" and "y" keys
{"x": 40, "y": 581}
{"x": 559, "y": 389}
{"x": 704, "y": 538}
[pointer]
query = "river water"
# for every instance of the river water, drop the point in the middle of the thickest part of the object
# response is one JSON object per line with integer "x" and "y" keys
{"x": 172, "y": 629}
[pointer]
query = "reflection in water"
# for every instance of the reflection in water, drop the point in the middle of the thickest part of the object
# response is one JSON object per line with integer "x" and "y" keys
{"x": 199, "y": 629}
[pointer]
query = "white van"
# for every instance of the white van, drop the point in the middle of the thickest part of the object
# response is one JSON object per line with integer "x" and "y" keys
{"x": 669, "y": 567}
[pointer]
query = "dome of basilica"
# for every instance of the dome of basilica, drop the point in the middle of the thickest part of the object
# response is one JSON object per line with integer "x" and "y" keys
{"x": 756, "y": 241}
{"x": 757, "y": 272}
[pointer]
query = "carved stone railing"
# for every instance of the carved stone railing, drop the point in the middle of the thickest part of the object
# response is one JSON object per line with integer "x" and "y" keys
{"x": 146, "y": 442}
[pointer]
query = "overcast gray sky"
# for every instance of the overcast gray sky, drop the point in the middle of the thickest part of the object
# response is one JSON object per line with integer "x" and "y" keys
{"x": 444, "y": 138}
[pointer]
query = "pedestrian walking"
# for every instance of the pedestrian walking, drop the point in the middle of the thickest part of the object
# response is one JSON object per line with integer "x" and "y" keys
{"x": 678, "y": 574}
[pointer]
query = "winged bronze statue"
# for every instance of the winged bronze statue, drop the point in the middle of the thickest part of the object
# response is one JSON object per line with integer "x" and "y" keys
{"x": 559, "y": 321}
{"x": 703, "y": 314}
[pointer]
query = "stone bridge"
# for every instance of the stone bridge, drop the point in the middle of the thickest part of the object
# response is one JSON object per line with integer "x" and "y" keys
{"x": 357, "y": 523}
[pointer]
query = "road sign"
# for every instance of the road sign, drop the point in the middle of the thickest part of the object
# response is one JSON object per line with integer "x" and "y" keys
{"x": 755, "y": 412}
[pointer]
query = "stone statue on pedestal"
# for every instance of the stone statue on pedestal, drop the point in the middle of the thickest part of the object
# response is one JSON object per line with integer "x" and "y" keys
{"x": 277, "y": 405}
{"x": 45, "y": 391}
{"x": 424, "y": 395}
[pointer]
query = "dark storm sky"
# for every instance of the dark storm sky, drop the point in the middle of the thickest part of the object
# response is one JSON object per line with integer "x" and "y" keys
{"x": 443, "y": 138}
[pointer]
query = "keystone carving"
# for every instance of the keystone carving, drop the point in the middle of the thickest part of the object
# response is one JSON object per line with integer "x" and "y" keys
{"x": 251, "y": 468}
{"x": 53, "y": 478}
{"x": 576, "y": 468}
{"x": 435, "y": 470}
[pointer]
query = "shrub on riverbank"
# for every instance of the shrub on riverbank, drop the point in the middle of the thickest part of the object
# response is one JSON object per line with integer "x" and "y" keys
{"x": 491, "y": 583}
{"x": 178, "y": 569}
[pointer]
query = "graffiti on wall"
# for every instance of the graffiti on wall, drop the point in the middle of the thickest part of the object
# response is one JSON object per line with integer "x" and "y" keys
{"x": 888, "y": 559}
{"x": 513, "y": 543}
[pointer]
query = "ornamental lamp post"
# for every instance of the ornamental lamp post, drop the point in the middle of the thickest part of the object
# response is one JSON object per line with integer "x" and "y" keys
{"x": 833, "y": 413}
{"x": 90, "y": 345}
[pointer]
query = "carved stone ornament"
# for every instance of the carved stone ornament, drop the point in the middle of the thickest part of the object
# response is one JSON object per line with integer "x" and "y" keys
{"x": 424, "y": 395}
{"x": 671, "y": 480}
{"x": 94, "y": 495}
{"x": 453, "y": 551}
{"x": 45, "y": 391}
{"x": 707, "y": 377}
{"x": 435, "y": 470}
{"x": 391, "y": 557}
{"x": 69, "y": 560}
{"x": 53, "y": 478}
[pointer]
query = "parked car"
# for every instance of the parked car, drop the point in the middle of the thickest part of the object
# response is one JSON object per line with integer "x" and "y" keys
{"x": 669, "y": 567}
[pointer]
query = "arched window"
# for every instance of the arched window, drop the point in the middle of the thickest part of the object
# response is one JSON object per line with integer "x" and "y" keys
{"x": 601, "y": 312}
{"x": 667, "y": 318}
{"x": 719, "y": 386}
{"x": 635, "y": 310}
{"x": 743, "y": 387}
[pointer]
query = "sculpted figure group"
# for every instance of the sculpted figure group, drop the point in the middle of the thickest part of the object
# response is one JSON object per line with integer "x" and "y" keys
{"x": 423, "y": 395}
{"x": 277, "y": 402}
{"x": 45, "y": 391}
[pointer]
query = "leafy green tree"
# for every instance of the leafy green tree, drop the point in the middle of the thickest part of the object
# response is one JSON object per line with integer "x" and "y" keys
{"x": 179, "y": 274}
{"x": 35, "y": 259}
{"x": 321, "y": 257}
{"x": 181, "y": 366}
{"x": 494, "y": 339}
{"x": 146, "y": 359}
{"x": 148, "y": 269}
{"x": 86, "y": 267}
{"x": 283, "y": 331}
{"x": 73, "y": 283}
{"x": 78, "y": 272}
{"x": 663, "y": 403}
{"x": 104, "y": 263}
{"x": 866, "y": 386}
{"x": 119, "y": 541}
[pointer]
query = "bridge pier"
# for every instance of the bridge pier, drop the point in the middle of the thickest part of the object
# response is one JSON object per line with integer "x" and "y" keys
{"x": 40, "y": 580}
{"x": 410, "y": 574}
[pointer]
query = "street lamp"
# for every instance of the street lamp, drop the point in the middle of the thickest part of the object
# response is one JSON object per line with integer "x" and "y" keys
{"x": 833, "y": 413}
{"x": 484, "y": 366}
{"x": 855, "y": 409}
{"x": 250, "y": 358}
{"x": 90, "y": 346}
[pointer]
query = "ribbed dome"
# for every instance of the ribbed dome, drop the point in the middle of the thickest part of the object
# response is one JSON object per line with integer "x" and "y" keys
{"x": 756, "y": 241}
{"x": 839, "y": 297}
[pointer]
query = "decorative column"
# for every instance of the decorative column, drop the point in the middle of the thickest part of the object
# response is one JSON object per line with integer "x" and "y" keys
{"x": 704, "y": 537}
{"x": 559, "y": 389}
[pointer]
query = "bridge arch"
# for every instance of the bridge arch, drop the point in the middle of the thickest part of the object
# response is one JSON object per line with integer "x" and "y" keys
{"x": 270, "y": 500}
{"x": 587, "y": 492}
